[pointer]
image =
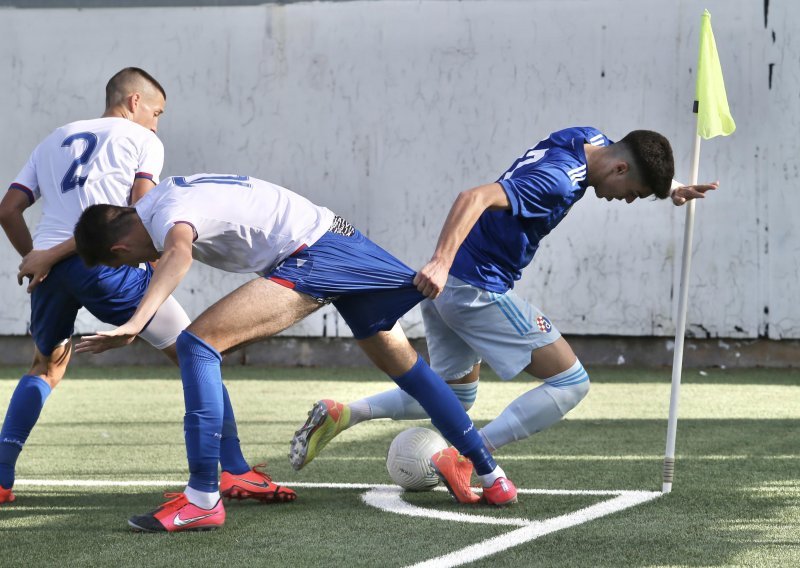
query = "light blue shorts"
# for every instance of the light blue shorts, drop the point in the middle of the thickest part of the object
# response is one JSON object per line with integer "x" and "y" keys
{"x": 465, "y": 325}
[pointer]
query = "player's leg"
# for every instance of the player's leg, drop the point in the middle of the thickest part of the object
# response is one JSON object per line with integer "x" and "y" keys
{"x": 512, "y": 335}
{"x": 238, "y": 479}
{"x": 24, "y": 409}
{"x": 566, "y": 383}
{"x": 392, "y": 353}
{"x": 451, "y": 358}
{"x": 53, "y": 312}
{"x": 254, "y": 311}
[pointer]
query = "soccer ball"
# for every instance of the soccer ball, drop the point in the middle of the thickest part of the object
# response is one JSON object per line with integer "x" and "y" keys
{"x": 409, "y": 457}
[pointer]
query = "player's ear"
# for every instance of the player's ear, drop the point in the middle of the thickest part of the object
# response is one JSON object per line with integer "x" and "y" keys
{"x": 118, "y": 248}
{"x": 621, "y": 167}
{"x": 133, "y": 101}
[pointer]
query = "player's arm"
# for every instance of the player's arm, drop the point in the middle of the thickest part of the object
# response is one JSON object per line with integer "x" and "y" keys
{"x": 140, "y": 187}
{"x": 12, "y": 207}
{"x": 468, "y": 206}
{"x": 36, "y": 265}
{"x": 680, "y": 193}
{"x": 173, "y": 265}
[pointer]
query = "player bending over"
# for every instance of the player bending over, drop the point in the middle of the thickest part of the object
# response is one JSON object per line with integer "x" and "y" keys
{"x": 491, "y": 233}
{"x": 114, "y": 159}
{"x": 308, "y": 257}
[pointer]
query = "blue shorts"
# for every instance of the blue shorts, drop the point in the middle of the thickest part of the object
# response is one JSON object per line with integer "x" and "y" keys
{"x": 110, "y": 294}
{"x": 369, "y": 287}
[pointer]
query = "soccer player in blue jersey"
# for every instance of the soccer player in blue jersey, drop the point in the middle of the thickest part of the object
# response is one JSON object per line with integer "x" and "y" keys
{"x": 115, "y": 159}
{"x": 490, "y": 235}
{"x": 306, "y": 257}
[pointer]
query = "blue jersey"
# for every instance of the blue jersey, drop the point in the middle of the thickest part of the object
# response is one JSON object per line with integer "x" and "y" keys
{"x": 541, "y": 186}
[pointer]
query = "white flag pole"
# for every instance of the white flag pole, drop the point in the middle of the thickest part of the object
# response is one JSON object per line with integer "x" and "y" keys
{"x": 683, "y": 301}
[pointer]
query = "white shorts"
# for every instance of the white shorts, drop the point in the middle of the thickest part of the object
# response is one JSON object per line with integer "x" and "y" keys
{"x": 165, "y": 327}
{"x": 466, "y": 324}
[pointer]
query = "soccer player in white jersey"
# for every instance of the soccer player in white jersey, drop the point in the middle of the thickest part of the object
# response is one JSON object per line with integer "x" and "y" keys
{"x": 308, "y": 257}
{"x": 491, "y": 234}
{"x": 114, "y": 159}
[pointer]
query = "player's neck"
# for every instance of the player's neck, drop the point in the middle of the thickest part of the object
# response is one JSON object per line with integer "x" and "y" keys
{"x": 114, "y": 112}
{"x": 594, "y": 156}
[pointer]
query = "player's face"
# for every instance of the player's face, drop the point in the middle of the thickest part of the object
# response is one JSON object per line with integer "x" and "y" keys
{"x": 149, "y": 109}
{"x": 621, "y": 187}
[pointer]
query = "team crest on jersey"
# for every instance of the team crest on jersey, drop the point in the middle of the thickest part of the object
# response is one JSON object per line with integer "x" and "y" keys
{"x": 544, "y": 324}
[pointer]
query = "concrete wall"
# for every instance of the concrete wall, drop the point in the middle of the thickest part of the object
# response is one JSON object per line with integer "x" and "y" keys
{"x": 383, "y": 111}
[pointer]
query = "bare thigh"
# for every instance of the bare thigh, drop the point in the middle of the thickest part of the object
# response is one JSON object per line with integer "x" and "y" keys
{"x": 254, "y": 311}
{"x": 551, "y": 359}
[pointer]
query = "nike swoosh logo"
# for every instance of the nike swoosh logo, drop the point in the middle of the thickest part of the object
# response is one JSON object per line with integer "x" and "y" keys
{"x": 263, "y": 484}
{"x": 183, "y": 522}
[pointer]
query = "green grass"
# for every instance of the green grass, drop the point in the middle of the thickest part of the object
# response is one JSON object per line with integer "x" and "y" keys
{"x": 735, "y": 502}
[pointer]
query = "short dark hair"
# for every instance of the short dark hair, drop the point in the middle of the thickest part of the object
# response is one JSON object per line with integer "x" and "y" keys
{"x": 652, "y": 157}
{"x": 99, "y": 228}
{"x": 121, "y": 84}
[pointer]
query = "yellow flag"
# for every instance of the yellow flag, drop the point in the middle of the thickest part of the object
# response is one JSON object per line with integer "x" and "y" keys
{"x": 711, "y": 104}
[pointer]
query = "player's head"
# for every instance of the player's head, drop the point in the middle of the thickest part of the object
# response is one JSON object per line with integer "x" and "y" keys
{"x": 113, "y": 236}
{"x": 134, "y": 94}
{"x": 639, "y": 165}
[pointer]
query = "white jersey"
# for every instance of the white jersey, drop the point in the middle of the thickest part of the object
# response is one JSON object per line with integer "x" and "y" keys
{"x": 84, "y": 163}
{"x": 241, "y": 224}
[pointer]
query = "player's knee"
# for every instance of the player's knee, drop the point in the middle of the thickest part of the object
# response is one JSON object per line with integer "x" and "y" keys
{"x": 465, "y": 392}
{"x": 51, "y": 368}
{"x": 568, "y": 389}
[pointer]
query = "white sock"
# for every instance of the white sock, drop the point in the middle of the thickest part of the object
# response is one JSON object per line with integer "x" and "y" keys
{"x": 396, "y": 404}
{"x": 201, "y": 499}
{"x": 537, "y": 409}
{"x": 359, "y": 411}
{"x": 489, "y": 479}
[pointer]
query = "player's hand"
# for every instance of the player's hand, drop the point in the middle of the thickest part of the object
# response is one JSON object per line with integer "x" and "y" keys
{"x": 431, "y": 278}
{"x": 35, "y": 266}
{"x": 105, "y": 340}
{"x": 684, "y": 193}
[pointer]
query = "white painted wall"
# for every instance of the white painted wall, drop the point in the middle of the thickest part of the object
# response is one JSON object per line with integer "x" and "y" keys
{"x": 383, "y": 111}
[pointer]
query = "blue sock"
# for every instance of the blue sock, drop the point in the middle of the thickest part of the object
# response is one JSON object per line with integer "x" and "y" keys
{"x": 202, "y": 423}
{"x": 230, "y": 452}
{"x": 23, "y": 412}
{"x": 447, "y": 413}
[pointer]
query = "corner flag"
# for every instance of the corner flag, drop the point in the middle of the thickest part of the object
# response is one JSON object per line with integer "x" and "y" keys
{"x": 713, "y": 119}
{"x": 711, "y": 103}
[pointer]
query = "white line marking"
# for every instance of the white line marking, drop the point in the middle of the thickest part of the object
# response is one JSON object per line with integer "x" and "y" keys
{"x": 537, "y": 529}
{"x": 389, "y": 499}
{"x": 96, "y": 483}
{"x": 310, "y": 485}
{"x": 625, "y": 457}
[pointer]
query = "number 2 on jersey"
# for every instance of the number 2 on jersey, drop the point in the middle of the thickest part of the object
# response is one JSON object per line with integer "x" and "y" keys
{"x": 72, "y": 178}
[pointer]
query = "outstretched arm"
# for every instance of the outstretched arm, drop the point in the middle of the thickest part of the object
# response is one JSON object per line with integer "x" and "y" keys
{"x": 172, "y": 267}
{"x": 468, "y": 206}
{"x": 680, "y": 193}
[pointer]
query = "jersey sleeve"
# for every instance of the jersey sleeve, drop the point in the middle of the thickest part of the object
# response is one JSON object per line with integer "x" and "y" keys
{"x": 533, "y": 191}
{"x": 159, "y": 218}
{"x": 27, "y": 181}
{"x": 151, "y": 160}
